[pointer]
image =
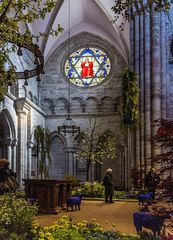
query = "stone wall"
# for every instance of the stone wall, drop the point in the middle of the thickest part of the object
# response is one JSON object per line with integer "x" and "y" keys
{"x": 101, "y": 101}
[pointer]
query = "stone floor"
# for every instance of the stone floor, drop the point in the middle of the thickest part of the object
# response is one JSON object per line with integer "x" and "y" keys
{"x": 119, "y": 213}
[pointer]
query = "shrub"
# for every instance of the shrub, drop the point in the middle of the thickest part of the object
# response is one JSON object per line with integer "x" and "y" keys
{"x": 89, "y": 189}
{"x": 96, "y": 190}
{"x": 16, "y": 217}
{"x": 73, "y": 179}
{"x": 148, "y": 236}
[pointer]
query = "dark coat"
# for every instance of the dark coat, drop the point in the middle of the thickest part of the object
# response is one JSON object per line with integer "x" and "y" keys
{"x": 7, "y": 180}
{"x": 151, "y": 181}
{"x": 107, "y": 180}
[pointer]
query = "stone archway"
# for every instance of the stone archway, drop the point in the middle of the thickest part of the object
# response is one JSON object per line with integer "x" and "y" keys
{"x": 7, "y": 138}
{"x": 57, "y": 168}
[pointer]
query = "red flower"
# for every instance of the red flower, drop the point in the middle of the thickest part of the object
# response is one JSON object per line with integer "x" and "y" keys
{"x": 162, "y": 131}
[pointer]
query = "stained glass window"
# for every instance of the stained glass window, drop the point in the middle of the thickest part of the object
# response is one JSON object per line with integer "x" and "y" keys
{"x": 87, "y": 67}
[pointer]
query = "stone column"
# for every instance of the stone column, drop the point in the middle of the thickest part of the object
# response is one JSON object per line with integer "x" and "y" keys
{"x": 71, "y": 164}
{"x": 29, "y": 160}
{"x": 141, "y": 93}
{"x": 13, "y": 163}
{"x": 163, "y": 44}
{"x": 147, "y": 87}
{"x": 22, "y": 109}
{"x": 155, "y": 71}
{"x": 7, "y": 147}
{"x": 70, "y": 161}
{"x": 137, "y": 70}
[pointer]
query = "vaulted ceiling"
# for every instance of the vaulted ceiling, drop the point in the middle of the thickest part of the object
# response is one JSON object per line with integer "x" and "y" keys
{"x": 93, "y": 16}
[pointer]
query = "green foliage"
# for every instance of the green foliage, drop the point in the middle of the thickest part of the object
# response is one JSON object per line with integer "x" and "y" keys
{"x": 14, "y": 15}
{"x": 130, "y": 100}
{"x": 73, "y": 179}
{"x": 129, "y": 9}
{"x": 93, "y": 147}
{"x": 89, "y": 189}
{"x": 106, "y": 146}
{"x": 65, "y": 229}
{"x": 96, "y": 190}
{"x": 43, "y": 141}
{"x": 16, "y": 217}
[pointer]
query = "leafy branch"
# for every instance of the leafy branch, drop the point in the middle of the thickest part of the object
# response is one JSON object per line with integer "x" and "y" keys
{"x": 13, "y": 16}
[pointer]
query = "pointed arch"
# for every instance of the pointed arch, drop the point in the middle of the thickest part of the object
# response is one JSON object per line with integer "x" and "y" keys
{"x": 7, "y": 137}
{"x": 91, "y": 105}
{"x": 107, "y": 104}
{"x": 61, "y": 105}
{"x": 77, "y": 105}
{"x": 47, "y": 105}
{"x": 57, "y": 168}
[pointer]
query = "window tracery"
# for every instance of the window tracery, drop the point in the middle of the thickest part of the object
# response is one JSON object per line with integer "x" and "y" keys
{"x": 87, "y": 67}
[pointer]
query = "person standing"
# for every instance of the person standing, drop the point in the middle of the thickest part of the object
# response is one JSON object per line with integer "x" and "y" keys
{"x": 108, "y": 184}
{"x": 7, "y": 177}
{"x": 152, "y": 179}
{"x": 33, "y": 176}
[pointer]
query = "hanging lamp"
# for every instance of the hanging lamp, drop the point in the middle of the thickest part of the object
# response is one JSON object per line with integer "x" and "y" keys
{"x": 68, "y": 126}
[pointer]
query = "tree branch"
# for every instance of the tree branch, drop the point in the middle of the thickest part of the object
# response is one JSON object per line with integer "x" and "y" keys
{"x": 5, "y": 10}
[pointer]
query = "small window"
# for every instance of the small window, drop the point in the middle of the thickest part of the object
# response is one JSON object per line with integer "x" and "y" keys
{"x": 87, "y": 67}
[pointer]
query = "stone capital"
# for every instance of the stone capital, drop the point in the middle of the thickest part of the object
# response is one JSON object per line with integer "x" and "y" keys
{"x": 22, "y": 106}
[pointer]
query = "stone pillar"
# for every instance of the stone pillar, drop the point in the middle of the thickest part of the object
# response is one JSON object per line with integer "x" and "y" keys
{"x": 147, "y": 87}
{"x": 69, "y": 149}
{"x": 13, "y": 163}
{"x": 155, "y": 71}
{"x": 7, "y": 148}
{"x": 136, "y": 68}
{"x": 71, "y": 164}
{"x": 22, "y": 109}
{"x": 29, "y": 160}
{"x": 141, "y": 93}
{"x": 163, "y": 44}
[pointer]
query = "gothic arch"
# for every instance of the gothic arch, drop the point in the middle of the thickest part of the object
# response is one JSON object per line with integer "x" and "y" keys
{"x": 7, "y": 137}
{"x": 61, "y": 105}
{"x": 107, "y": 104}
{"x": 57, "y": 168}
{"x": 77, "y": 105}
{"x": 47, "y": 105}
{"x": 91, "y": 105}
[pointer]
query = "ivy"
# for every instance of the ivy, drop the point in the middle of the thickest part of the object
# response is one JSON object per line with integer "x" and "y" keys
{"x": 130, "y": 100}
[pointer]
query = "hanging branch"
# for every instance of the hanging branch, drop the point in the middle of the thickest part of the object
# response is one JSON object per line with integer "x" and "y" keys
{"x": 128, "y": 9}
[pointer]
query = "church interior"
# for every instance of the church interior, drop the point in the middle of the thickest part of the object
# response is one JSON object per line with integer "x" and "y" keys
{"x": 78, "y": 97}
